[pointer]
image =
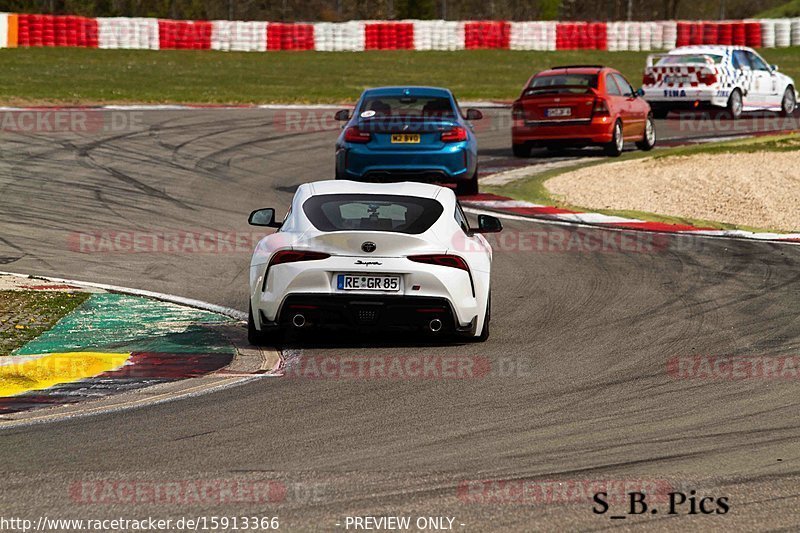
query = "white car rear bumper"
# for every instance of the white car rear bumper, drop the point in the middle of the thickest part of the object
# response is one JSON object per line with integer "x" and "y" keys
{"x": 310, "y": 283}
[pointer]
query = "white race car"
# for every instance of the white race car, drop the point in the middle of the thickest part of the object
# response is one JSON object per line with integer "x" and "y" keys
{"x": 731, "y": 77}
{"x": 371, "y": 255}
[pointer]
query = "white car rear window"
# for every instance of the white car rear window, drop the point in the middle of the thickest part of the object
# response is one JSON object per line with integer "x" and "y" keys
{"x": 682, "y": 59}
{"x": 369, "y": 212}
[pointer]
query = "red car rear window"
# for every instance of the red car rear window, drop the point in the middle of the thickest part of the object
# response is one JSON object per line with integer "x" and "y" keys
{"x": 562, "y": 83}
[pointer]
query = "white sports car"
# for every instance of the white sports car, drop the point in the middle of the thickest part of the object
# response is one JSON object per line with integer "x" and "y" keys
{"x": 732, "y": 77}
{"x": 371, "y": 255}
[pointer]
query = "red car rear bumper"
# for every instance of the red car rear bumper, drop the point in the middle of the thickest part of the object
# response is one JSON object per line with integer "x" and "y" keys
{"x": 596, "y": 131}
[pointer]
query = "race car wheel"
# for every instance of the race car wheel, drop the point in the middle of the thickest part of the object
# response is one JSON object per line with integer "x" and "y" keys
{"x": 735, "y": 104}
{"x": 468, "y": 187}
{"x": 521, "y": 150}
{"x": 614, "y": 148}
{"x": 789, "y": 102}
{"x": 649, "y": 139}
{"x": 256, "y": 337}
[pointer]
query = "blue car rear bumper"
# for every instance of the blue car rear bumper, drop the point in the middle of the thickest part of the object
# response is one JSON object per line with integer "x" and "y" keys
{"x": 453, "y": 163}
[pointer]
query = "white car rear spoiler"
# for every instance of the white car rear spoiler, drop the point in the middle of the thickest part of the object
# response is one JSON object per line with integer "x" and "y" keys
{"x": 652, "y": 57}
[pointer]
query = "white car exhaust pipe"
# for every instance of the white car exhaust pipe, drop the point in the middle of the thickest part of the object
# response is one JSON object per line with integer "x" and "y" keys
{"x": 298, "y": 320}
{"x": 435, "y": 325}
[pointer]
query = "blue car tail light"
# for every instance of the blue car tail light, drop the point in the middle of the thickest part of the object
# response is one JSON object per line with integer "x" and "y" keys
{"x": 454, "y": 135}
{"x": 355, "y": 135}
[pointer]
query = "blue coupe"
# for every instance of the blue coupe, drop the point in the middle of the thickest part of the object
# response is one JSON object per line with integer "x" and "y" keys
{"x": 409, "y": 134}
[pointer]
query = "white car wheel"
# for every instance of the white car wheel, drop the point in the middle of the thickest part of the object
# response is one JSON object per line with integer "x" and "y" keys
{"x": 789, "y": 102}
{"x": 735, "y": 104}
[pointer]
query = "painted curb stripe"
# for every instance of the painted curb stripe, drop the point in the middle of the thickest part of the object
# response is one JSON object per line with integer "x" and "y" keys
{"x": 552, "y": 213}
{"x": 142, "y": 369}
{"x": 56, "y": 369}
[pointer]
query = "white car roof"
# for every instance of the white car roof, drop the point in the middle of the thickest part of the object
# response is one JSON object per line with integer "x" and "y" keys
{"x": 716, "y": 49}
{"x": 405, "y": 188}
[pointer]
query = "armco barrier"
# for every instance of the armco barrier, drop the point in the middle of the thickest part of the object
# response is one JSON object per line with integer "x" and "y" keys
{"x": 258, "y": 36}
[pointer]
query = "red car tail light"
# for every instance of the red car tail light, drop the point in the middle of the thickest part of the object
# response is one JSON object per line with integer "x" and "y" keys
{"x": 293, "y": 256}
{"x": 707, "y": 78}
{"x": 517, "y": 112}
{"x": 354, "y": 135}
{"x": 601, "y": 108}
{"x": 452, "y": 261}
{"x": 454, "y": 135}
{"x": 648, "y": 79}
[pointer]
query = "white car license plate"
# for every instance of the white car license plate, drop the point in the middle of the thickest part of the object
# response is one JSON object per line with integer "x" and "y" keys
{"x": 677, "y": 79}
{"x": 357, "y": 282}
{"x": 558, "y": 112}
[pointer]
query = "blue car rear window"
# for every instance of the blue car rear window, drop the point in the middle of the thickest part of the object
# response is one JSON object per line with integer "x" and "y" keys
{"x": 371, "y": 212}
{"x": 407, "y": 106}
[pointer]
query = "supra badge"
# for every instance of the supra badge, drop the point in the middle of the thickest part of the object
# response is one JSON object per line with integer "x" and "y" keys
{"x": 368, "y": 246}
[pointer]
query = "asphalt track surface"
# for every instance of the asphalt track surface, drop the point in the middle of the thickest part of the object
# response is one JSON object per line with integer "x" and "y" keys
{"x": 588, "y": 335}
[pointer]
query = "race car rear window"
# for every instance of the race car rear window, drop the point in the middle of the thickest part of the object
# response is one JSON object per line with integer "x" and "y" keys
{"x": 369, "y": 212}
{"x": 562, "y": 83}
{"x": 686, "y": 58}
{"x": 406, "y": 106}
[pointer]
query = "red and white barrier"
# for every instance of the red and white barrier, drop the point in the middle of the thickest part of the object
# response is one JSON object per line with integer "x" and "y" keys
{"x": 339, "y": 37}
{"x": 3, "y": 30}
{"x": 239, "y": 36}
{"x": 783, "y": 33}
{"x": 128, "y": 33}
{"x": 355, "y": 36}
{"x": 538, "y": 35}
{"x": 438, "y": 35}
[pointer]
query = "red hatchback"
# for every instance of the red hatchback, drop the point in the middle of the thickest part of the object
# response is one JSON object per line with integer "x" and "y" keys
{"x": 579, "y": 106}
